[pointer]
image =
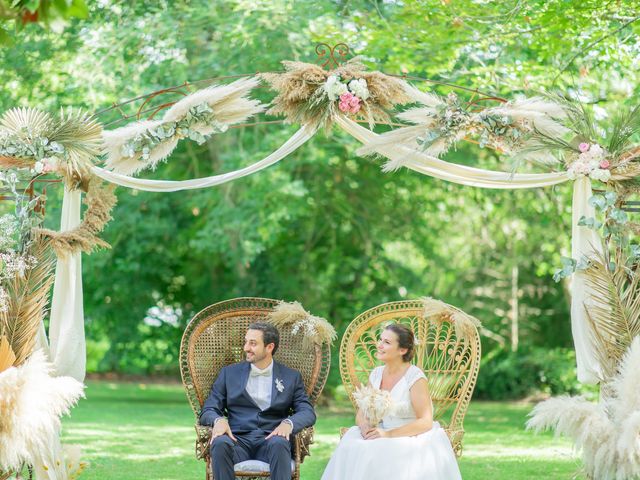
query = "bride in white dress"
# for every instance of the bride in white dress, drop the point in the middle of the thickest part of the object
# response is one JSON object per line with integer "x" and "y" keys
{"x": 407, "y": 444}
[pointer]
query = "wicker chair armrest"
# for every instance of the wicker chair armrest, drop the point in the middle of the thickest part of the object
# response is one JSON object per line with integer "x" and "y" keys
{"x": 302, "y": 443}
{"x": 455, "y": 437}
{"x": 203, "y": 436}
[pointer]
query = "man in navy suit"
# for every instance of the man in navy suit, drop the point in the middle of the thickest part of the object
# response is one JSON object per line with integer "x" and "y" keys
{"x": 264, "y": 402}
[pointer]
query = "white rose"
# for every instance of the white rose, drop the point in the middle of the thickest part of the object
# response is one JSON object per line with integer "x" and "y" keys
{"x": 329, "y": 87}
{"x": 593, "y": 163}
{"x": 596, "y": 150}
{"x": 601, "y": 175}
{"x": 340, "y": 88}
{"x": 359, "y": 88}
{"x": 38, "y": 167}
{"x": 334, "y": 87}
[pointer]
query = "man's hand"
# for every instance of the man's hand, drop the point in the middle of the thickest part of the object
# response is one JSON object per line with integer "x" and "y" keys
{"x": 374, "y": 433}
{"x": 282, "y": 430}
{"x": 221, "y": 427}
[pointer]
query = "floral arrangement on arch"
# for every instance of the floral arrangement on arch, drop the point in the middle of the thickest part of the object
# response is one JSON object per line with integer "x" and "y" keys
{"x": 553, "y": 131}
{"x": 308, "y": 94}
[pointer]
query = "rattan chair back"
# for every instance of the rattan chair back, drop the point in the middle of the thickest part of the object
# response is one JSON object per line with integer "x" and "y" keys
{"x": 450, "y": 363}
{"x": 214, "y": 338}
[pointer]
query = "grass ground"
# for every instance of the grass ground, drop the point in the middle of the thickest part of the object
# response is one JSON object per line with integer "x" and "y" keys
{"x": 143, "y": 431}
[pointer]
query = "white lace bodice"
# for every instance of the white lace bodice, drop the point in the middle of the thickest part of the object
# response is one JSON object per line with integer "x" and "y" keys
{"x": 401, "y": 411}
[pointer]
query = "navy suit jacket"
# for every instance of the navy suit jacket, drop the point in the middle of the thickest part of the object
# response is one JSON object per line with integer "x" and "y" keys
{"x": 229, "y": 397}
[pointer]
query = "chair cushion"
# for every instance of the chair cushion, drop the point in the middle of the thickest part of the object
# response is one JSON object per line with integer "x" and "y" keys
{"x": 256, "y": 466}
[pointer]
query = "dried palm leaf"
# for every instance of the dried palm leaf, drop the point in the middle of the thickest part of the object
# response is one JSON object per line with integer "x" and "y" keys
{"x": 7, "y": 357}
{"x": 81, "y": 137}
{"x": 75, "y": 131}
{"x": 28, "y": 297}
{"x": 25, "y": 122}
{"x": 614, "y": 311}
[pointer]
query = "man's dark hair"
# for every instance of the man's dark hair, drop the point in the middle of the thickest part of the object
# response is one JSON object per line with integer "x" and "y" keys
{"x": 270, "y": 334}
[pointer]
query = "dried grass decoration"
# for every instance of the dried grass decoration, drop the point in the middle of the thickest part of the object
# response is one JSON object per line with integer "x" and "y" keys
{"x": 141, "y": 145}
{"x": 440, "y": 122}
{"x": 316, "y": 330}
{"x": 100, "y": 200}
{"x": 308, "y": 94}
{"x": 373, "y": 403}
{"x": 607, "y": 432}
{"x": 67, "y": 145}
{"x": 437, "y": 311}
{"x": 32, "y": 401}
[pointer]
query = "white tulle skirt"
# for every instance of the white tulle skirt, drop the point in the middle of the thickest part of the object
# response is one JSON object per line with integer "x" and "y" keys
{"x": 427, "y": 456}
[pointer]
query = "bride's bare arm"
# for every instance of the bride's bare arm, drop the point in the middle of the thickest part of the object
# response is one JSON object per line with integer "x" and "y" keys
{"x": 361, "y": 422}
{"x": 421, "y": 402}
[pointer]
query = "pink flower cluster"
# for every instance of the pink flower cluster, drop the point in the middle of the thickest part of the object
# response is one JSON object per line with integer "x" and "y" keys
{"x": 584, "y": 148}
{"x": 591, "y": 162}
{"x": 349, "y": 103}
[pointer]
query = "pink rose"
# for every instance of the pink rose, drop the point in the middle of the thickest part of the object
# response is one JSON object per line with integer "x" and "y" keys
{"x": 605, "y": 164}
{"x": 346, "y": 97}
{"x": 583, "y": 147}
{"x": 349, "y": 103}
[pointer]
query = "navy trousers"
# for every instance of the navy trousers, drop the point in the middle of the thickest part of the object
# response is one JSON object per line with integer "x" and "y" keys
{"x": 276, "y": 451}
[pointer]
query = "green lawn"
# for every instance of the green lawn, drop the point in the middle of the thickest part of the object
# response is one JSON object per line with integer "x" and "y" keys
{"x": 144, "y": 431}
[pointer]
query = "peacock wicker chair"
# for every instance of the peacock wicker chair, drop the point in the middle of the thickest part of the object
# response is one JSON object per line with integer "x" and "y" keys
{"x": 214, "y": 338}
{"x": 450, "y": 363}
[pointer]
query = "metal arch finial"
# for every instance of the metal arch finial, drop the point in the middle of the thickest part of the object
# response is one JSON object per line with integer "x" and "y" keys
{"x": 325, "y": 50}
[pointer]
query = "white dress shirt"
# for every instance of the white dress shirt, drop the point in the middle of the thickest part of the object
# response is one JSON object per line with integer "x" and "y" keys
{"x": 260, "y": 384}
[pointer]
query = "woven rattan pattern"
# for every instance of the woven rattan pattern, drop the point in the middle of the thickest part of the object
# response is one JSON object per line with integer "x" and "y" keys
{"x": 450, "y": 363}
{"x": 215, "y": 337}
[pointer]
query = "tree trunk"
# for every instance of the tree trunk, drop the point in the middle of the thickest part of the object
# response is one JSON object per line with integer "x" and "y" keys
{"x": 513, "y": 312}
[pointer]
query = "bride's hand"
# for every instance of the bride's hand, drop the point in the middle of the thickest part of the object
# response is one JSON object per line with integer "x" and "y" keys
{"x": 374, "y": 433}
{"x": 364, "y": 428}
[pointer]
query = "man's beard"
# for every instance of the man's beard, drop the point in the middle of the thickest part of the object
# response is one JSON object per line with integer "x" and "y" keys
{"x": 256, "y": 357}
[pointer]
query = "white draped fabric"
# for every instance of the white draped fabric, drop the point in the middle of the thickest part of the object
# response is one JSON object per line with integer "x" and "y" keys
{"x": 295, "y": 142}
{"x": 67, "y": 324}
{"x": 584, "y": 240}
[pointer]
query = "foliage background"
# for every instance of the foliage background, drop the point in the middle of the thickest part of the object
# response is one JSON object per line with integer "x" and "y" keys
{"x": 326, "y": 227}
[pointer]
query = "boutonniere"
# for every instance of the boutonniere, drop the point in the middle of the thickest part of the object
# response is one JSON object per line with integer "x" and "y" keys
{"x": 279, "y": 385}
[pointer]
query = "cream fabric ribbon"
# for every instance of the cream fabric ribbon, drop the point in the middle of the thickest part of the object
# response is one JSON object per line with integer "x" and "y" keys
{"x": 584, "y": 241}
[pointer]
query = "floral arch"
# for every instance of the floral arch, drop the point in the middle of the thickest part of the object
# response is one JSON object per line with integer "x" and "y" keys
{"x": 90, "y": 159}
